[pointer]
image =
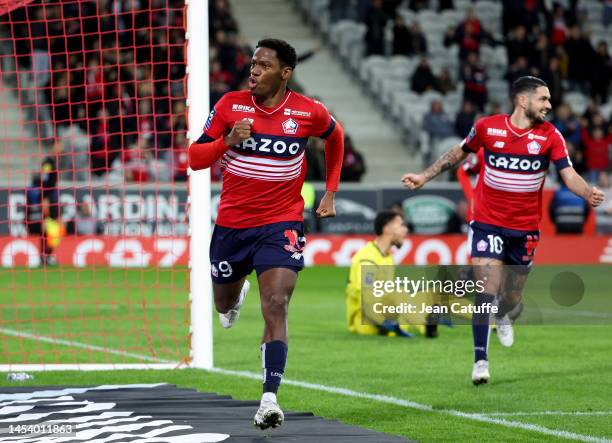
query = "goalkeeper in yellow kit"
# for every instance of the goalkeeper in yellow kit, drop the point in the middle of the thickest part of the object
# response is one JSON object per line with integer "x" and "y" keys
{"x": 375, "y": 257}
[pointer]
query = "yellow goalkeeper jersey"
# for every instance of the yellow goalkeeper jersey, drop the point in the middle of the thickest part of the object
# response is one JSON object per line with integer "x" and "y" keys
{"x": 369, "y": 255}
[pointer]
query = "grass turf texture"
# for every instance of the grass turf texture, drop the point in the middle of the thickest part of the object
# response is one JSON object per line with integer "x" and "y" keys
{"x": 550, "y": 368}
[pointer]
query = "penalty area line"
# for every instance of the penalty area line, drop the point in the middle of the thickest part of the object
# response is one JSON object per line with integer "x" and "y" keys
{"x": 421, "y": 407}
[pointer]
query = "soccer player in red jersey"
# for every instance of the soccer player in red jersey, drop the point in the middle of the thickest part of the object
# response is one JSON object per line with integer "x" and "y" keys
{"x": 259, "y": 135}
{"x": 518, "y": 149}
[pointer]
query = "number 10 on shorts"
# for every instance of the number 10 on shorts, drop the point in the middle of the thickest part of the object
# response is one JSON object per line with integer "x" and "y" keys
{"x": 496, "y": 244}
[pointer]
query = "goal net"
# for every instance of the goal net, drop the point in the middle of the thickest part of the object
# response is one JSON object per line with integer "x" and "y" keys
{"x": 94, "y": 228}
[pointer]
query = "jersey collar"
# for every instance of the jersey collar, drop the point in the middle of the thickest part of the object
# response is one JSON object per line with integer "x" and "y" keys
{"x": 514, "y": 129}
{"x": 270, "y": 111}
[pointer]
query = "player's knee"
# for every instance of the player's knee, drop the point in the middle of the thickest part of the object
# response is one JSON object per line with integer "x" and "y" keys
{"x": 276, "y": 304}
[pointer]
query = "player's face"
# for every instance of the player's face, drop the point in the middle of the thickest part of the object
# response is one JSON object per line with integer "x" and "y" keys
{"x": 398, "y": 230}
{"x": 267, "y": 74}
{"x": 538, "y": 105}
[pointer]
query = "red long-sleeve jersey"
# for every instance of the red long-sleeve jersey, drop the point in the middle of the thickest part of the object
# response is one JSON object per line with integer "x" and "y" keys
{"x": 263, "y": 175}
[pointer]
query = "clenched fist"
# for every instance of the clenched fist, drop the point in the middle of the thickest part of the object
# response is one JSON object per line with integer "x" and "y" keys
{"x": 413, "y": 181}
{"x": 240, "y": 132}
{"x": 596, "y": 197}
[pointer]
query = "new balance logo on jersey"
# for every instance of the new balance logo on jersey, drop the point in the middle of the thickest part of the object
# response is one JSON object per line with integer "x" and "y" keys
{"x": 498, "y": 144}
{"x": 290, "y": 126}
{"x": 536, "y": 137}
{"x": 243, "y": 108}
{"x": 497, "y": 132}
{"x": 500, "y": 161}
{"x": 534, "y": 147}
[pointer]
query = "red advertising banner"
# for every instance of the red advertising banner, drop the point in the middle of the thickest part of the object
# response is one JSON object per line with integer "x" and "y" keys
{"x": 320, "y": 250}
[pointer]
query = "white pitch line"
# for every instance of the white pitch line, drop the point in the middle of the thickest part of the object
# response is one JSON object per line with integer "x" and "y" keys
{"x": 422, "y": 407}
{"x": 76, "y": 344}
{"x": 584, "y": 413}
{"x": 341, "y": 391}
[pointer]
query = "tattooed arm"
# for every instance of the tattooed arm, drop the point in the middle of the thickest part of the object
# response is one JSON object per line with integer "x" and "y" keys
{"x": 444, "y": 163}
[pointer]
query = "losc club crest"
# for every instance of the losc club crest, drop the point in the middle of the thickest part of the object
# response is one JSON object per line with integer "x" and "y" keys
{"x": 290, "y": 126}
{"x": 534, "y": 147}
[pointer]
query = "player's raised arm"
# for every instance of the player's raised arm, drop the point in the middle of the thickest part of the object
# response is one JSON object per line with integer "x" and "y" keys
{"x": 449, "y": 159}
{"x": 334, "y": 152}
{"x": 575, "y": 183}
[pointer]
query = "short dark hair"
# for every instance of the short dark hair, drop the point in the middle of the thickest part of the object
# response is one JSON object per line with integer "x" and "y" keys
{"x": 526, "y": 83}
{"x": 284, "y": 51}
{"x": 383, "y": 218}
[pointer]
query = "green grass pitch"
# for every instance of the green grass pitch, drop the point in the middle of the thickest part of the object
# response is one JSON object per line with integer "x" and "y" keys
{"x": 557, "y": 377}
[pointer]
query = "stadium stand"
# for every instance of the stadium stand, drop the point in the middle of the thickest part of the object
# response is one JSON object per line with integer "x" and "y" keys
{"x": 557, "y": 44}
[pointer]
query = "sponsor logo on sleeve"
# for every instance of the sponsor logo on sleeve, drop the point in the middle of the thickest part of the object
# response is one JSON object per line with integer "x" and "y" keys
{"x": 290, "y": 126}
{"x": 471, "y": 135}
{"x": 536, "y": 137}
{"x": 497, "y": 132}
{"x": 209, "y": 120}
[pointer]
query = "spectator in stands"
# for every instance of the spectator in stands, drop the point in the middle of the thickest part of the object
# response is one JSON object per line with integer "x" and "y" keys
{"x": 85, "y": 223}
{"x": 220, "y": 17}
{"x": 568, "y": 211}
{"x": 376, "y": 21}
{"x": 559, "y": 26}
{"x": 475, "y": 77}
{"x": 567, "y": 124}
{"x": 597, "y": 149}
{"x": 49, "y": 177}
{"x": 553, "y": 77}
{"x": 340, "y": 10}
{"x": 34, "y": 220}
{"x": 437, "y": 124}
{"x": 353, "y": 166}
{"x": 518, "y": 44}
{"x": 581, "y": 56}
{"x": 180, "y": 161}
{"x": 465, "y": 119}
{"x": 457, "y": 223}
{"x": 408, "y": 41}
{"x": 607, "y": 14}
{"x": 518, "y": 69}
{"x": 445, "y": 82}
{"x": 469, "y": 35}
{"x": 601, "y": 73}
{"x": 541, "y": 53}
{"x": 445, "y": 4}
{"x": 423, "y": 78}
{"x": 418, "y": 5}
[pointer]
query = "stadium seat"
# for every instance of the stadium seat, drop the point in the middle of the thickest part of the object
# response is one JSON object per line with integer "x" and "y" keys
{"x": 577, "y": 101}
{"x": 369, "y": 63}
{"x": 336, "y": 31}
{"x": 353, "y": 35}
{"x": 444, "y": 145}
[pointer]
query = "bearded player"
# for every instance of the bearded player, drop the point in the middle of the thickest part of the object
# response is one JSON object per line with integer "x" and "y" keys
{"x": 507, "y": 203}
{"x": 259, "y": 135}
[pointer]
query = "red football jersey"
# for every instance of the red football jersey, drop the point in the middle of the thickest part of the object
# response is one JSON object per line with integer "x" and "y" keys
{"x": 263, "y": 176}
{"x": 509, "y": 189}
